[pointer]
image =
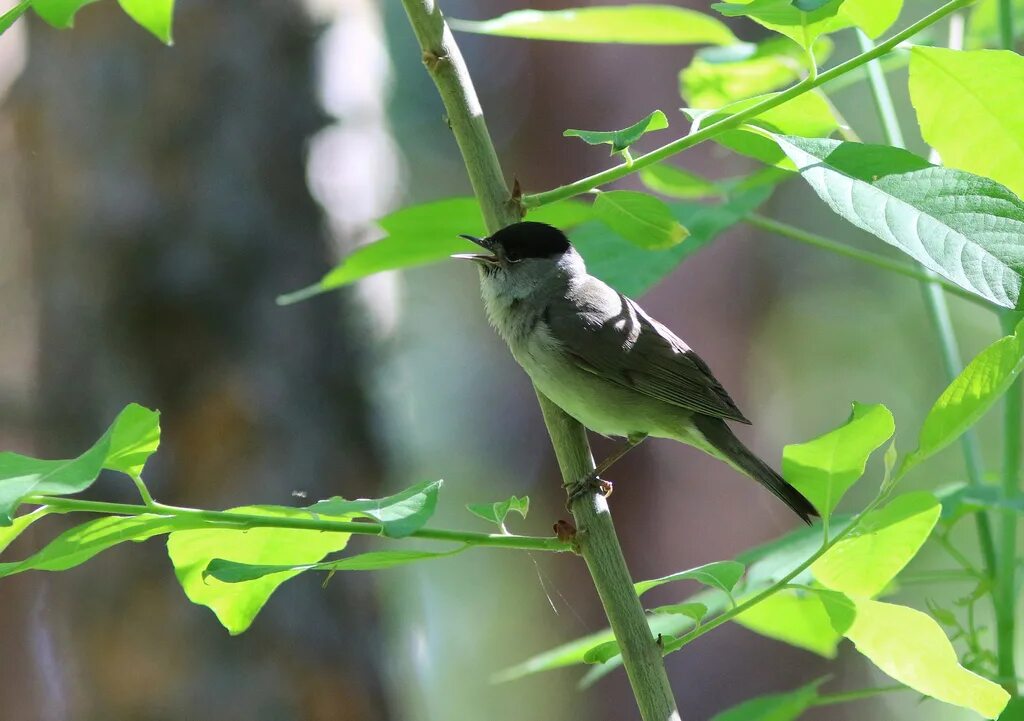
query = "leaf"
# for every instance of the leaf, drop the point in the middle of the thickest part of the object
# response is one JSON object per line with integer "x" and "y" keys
{"x": 10, "y": 17}
{"x": 807, "y": 115}
{"x": 424, "y": 234}
{"x": 401, "y": 514}
{"x": 621, "y": 139}
{"x": 678, "y": 183}
{"x": 632, "y": 270}
{"x": 774, "y": 707}
{"x": 236, "y": 604}
{"x": 911, "y": 647}
{"x": 824, "y": 469}
{"x": 718, "y": 76}
{"x": 864, "y": 563}
{"x": 59, "y": 13}
{"x": 808, "y": 5}
{"x": 79, "y": 544}
{"x": 125, "y": 446}
{"x": 962, "y": 226}
{"x": 641, "y": 219}
{"x": 496, "y": 512}
{"x": 964, "y": 498}
{"x": 722, "y": 575}
{"x": 635, "y": 24}
{"x": 985, "y": 379}
{"x": 154, "y": 15}
{"x": 953, "y": 90}
{"x": 18, "y": 526}
{"x": 797, "y": 617}
{"x": 235, "y": 572}
{"x": 602, "y": 652}
{"x": 872, "y": 16}
{"x": 696, "y": 611}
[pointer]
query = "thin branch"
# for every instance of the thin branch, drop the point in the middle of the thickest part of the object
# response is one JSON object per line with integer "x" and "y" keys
{"x": 585, "y": 184}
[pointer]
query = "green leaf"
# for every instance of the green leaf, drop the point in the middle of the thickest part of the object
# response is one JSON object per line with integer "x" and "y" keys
{"x": 154, "y": 15}
{"x": 640, "y": 218}
{"x": 969, "y": 396}
{"x": 808, "y": 115}
{"x": 236, "y": 604}
{"x": 911, "y": 647}
{"x": 9, "y": 533}
{"x": 952, "y": 90}
{"x": 632, "y": 270}
{"x": 79, "y": 544}
{"x": 795, "y": 616}
{"x": 808, "y": 5}
{"x": 962, "y": 226}
{"x": 59, "y": 13}
{"x": 125, "y": 446}
{"x": 496, "y": 512}
{"x": 678, "y": 183}
{"x": 774, "y": 707}
{"x": 696, "y": 611}
{"x": 983, "y": 27}
{"x": 634, "y": 24}
{"x": 9, "y": 17}
{"x": 424, "y": 234}
{"x": 824, "y": 469}
{"x": 602, "y": 652}
{"x": 235, "y": 572}
{"x": 864, "y": 563}
{"x": 964, "y": 498}
{"x": 722, "y": 575}
{"x": 401, "y": 514}
{"x": 621, "y": 139}
{"x": 718, "y": 76}
{"x": 872, "y": 16}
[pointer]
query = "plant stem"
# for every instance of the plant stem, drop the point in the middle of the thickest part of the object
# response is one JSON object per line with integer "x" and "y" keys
{"x": 596, "y": 535}
{"x": 864, "y": 256}
{"x": 585, "y": 184}
{"x": 1006, "y": 585}
{"x": 1006, "y": 23}
{"x": 938, "y": 311}
{"x": 232, "y": 519}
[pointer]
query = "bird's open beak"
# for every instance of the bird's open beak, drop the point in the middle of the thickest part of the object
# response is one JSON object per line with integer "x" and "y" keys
{"x": 484, "y": 243}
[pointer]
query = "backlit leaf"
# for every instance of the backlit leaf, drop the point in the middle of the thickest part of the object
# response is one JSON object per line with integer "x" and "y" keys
{"x": 783, "y": 16}
{"x": 401, "y": 514}
{"x": 636, "y": 24}
{"x": 621, "y": 139}
{"x": 9, "y": 533}
{"x": 797, "y": 617}
{"x": 154, "y": 15}
{"x": 678, "y": 183}
{"x": 824, "y": 469}
{"x": 497, "y": 511}
{"x": 641, "y": 219}
{"x": 696, "y": 611}
{"x": 235, "y": 572}
{"x": 965, "y": 227}
{"x": 722, "y": 575}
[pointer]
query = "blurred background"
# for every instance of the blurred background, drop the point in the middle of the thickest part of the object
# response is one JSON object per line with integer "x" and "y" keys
{"x": 154, "y": 201}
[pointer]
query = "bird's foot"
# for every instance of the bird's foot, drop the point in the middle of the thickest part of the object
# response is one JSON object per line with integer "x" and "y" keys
{"x": 591, "y": 483}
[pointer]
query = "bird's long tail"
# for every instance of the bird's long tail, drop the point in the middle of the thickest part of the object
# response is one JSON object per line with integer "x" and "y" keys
{"x": 720, "y": 436}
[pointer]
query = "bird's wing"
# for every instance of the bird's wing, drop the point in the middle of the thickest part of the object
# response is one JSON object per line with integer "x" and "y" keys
{"x": 608, "y": 334}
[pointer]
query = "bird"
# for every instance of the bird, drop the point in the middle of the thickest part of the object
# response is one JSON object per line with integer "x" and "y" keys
{"x": 605, "y": 361}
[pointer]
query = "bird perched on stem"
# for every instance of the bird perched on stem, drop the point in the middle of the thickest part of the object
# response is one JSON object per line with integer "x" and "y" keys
{"x": 597, "y": 355}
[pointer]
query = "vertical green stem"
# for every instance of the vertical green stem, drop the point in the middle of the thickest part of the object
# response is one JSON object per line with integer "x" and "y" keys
{"x": 596, "y": 537}
{"x": 935, "y": 303}
{"x": 1005, "y": 589}
{"x": 1006, "y": 23}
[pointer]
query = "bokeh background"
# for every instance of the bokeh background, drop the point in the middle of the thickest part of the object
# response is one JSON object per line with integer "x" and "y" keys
{"x": 154, "y": 201}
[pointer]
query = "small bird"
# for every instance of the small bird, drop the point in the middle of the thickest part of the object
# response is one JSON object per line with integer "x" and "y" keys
{"x": 597, "y": 355}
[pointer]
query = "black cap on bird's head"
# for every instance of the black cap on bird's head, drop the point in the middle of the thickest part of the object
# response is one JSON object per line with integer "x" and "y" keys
{"x": 520, "y": 241}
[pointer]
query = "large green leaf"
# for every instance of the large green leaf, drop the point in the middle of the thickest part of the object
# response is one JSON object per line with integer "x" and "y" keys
{"x": 236, "y": 604}
{"x": 425, "y": 234}
{"x": 965, "y": 227}
{"x": 638, "y": 24}
{"x": 797, "y": 617}
{"x": 911, "y": 647}
{"x": 154, "y": 15}
{"x": 640, "y": 218}
{"x": 400, "y": 514}
{"x": 678, "y": 183}
{"x": 632, "y": 270}
{"x": 125, "y": 446}
{"x": 77, "y": 545}
{"x": 864, "y": 563}
{"x": 722, "y": 575}
{"x": 785, "y": 706}
{"x": 783, "y": 16}
{"x": 808, "y": 115}
{"x": 621, "y": 139}
{"x": 235, "y": 572}
{"x": 969, "y": 396}
{"x": 824, "y": 469}
{"x": 953, "y": 90}
{"x": 718, "y": 76}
